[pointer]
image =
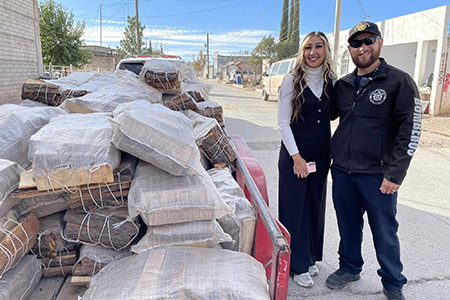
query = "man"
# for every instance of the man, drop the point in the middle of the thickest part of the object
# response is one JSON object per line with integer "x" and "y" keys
{"x": 378, "y": 132}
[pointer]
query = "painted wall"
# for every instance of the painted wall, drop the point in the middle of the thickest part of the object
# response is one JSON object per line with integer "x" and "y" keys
{"x": 20, "y": 47}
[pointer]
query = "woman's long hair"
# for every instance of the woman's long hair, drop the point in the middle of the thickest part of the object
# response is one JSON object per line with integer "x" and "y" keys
{"x": 299, "y": 74}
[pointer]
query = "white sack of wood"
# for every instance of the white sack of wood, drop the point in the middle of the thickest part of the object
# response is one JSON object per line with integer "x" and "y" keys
{"x": 93, "y": 258}
{"x": 211, "y": 109}
{"x": 241, "y": 225}
{"x": 198, "y": 90}
{"x": 166, "y": 75}
{"x": 157, "y": 135}
{"x": 194, "y": 234}
{"x": 85, "y": 81}
{"x": 182, "y": 273}
{"x": 17, "y": 124}
{"x": 9, "y": 181}
{"x": 20, "y": 282}
{"x": 106, "y": 99}
{"x": 211, "y": 139}
{"x": 180, "y": 102}
{"x": 42, "y": 205}
{"x": 72, "y": 143}
{"x": 161, "y": 198}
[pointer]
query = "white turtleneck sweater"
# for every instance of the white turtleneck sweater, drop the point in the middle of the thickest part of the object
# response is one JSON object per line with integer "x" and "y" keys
{"x": 314, "y": 80}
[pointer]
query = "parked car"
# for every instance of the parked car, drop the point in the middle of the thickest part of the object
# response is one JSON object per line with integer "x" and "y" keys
{"x": 134, "y": 64}
{"x": 273, "y": 79}
{"x": 235, "y": 73}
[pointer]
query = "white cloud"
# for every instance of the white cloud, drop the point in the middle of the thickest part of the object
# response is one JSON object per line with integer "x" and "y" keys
{"x": 182, "y": 41}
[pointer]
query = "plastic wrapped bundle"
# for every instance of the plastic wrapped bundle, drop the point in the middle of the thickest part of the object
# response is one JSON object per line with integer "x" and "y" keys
{"x": 198, "y": 90}
{"x": 94, "y": 258}
{"x": 211, "y": 139}
{"x": 182, "y": 273}
{"x": 165, "y": 75}
{"x": 195, "y": 234}
{"x": 211, "y": 109}
{"x": 17, "y": 124}
{"x": 157, "y": 135}
{"x": 180, "y": 102}
{"x": 126, "y": 89}
{"x": 161, "y": 198}
{"x": 242, "y": 224}
{"x": 9, "y": 181}
{"x": 73, "y": 150}
{"x": 19, "y": 283}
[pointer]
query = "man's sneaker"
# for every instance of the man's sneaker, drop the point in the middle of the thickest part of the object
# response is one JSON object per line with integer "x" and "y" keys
{"x": 303, "y": 280}
{"x": 394, "y": 295}
{"x": 339, "y": 279}
{"x": 313, "y": 270}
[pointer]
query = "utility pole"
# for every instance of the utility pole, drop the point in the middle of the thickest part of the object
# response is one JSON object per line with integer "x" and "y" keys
{"x": 337, "y": 29}
{"x": 138, "y": 38}
{"x": 207, "y": 55}
{"x": 100, "y": 25}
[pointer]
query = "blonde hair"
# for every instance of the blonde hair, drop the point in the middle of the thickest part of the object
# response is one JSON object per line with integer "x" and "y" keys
{"x": 299, "y": 74}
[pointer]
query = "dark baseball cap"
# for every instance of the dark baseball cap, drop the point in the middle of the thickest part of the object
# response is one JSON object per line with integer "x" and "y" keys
{"x": 363, "y": 26}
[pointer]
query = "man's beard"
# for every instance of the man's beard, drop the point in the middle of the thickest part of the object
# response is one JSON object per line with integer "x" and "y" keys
{"x": 365, "y": 64}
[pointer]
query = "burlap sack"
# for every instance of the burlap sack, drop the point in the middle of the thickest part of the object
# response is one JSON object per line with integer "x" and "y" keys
{"x": 19, "y": 282}
{"x": 182, "y": 273}
{"x": 9, "y": 181}
{"x": 195, "y": 234}
{"x": 157, "y": 135}
{"x": 161, "y": 198}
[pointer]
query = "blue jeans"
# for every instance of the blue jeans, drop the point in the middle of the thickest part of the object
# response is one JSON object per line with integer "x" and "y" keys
{"x": 353, "y": 195}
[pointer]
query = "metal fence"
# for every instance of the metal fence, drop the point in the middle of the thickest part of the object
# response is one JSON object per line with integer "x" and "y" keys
{"x": 51, "y": 71}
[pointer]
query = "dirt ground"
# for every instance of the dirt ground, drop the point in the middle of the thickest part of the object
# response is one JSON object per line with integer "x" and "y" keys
{"x": 437, "y": 124}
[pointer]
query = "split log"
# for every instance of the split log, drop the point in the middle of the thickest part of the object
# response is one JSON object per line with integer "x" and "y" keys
{"x": 16, "y": 244}
{"x": 7, "y": 223}
{"x": 80, "y": 280}
{"x": 196, "y": 95}
{"x": 63, "y": 260}
{"x": 110, "y": 228}
{"x": 179, "y": 102}
{"x": 96, "y": 200}
{"x": 57, "y": 271}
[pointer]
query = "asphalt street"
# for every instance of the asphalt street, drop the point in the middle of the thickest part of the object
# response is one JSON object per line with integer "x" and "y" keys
{"x": 423, "y": 205}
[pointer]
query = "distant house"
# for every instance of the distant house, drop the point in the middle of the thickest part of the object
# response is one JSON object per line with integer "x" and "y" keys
{"x": 417, "y": 43}
{"x": 223, "y": 64}
{"x": 20, "y": 47}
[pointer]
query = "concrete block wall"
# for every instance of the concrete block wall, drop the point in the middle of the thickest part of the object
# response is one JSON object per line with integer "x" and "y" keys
{"x": 444, "y": 77}
{"x": 20, "y": 47}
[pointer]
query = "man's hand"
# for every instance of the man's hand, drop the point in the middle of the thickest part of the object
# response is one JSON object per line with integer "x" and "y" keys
{"x": 388, "y": 187}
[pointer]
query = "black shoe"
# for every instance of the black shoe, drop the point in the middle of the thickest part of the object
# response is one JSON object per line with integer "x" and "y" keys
{"x": 394, "y": 295}
{"x": 339, "y": 279}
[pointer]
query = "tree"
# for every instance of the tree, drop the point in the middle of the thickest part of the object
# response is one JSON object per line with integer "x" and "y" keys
{"x": 199, "y": 63}
{"x": 60, "y": 38}
{"x": 284, "y": 25}
{"x": 266, "y": 49}
{"x": 128, "y": 45}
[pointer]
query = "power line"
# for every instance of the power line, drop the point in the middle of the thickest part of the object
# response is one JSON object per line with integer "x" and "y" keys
{"x": 200, "y": 11}
{"x": 364, "y": 14}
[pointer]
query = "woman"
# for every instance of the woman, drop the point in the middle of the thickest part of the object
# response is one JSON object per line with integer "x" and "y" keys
{"x": 304, "y": 103}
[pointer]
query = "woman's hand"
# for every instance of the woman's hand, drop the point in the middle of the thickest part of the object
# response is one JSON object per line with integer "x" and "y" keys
{"x": 300, "y": 168}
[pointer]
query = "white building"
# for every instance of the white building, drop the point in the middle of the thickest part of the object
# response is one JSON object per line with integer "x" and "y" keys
{"x": 418, "y": 44}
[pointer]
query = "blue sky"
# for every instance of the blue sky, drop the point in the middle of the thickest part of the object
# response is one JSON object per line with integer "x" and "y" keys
{"x": 234, "y": 26}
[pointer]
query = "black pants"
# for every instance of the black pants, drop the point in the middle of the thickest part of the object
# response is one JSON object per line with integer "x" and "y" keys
{"x": 301, "y": 209}
{"x": 353, "y": 195}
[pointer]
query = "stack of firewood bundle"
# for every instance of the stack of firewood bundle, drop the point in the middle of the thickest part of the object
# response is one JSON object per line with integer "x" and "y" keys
{"x": 211, "y": 109}
{"x": 17, "y": 241}
{"x": 180, "y": 102}
{"x": 167, "y": 82}
{"x": 48, "y": 93}
{"x": 197, "y": 90}
{"x": 56, "y": 255}
{"x": 211, "y": 139}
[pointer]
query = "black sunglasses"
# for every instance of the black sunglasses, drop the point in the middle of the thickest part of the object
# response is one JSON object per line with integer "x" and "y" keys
{"x": 367, "y": 41}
